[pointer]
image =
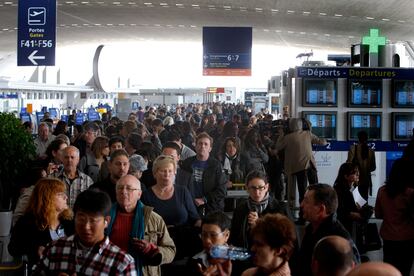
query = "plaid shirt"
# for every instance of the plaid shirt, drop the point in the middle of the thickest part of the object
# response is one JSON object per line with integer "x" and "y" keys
{"x": 104, "y": 258}
{"x": 76, "y": 186}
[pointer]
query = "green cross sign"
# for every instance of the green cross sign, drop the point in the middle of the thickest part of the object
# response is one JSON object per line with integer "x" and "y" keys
{"x": 373, "y": 40}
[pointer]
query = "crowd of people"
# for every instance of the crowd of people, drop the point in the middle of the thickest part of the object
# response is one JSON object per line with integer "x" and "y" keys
{"x": 147, "y": 196}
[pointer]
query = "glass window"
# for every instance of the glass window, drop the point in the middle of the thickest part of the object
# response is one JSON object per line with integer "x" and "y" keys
{"x": 40, "y": 96}
{"x": 29, "y": 95}
{"x": 52, "y": 96}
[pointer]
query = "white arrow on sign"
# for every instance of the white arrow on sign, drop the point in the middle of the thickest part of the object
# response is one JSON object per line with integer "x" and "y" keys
{"x": 33, "y": 58}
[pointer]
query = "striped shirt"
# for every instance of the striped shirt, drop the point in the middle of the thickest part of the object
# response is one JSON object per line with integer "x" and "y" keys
{"x": 75, "y": 186}
{"x": 67, "y": 256}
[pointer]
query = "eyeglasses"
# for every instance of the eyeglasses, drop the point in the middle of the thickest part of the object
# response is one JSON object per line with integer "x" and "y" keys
{"x": 83, "y": 220}
{"x": 212, "y": 235}
{"x": 129, "y": 189}
{"x": 256, "y": 188}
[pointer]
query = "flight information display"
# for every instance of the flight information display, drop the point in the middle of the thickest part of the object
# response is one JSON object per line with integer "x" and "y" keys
{"x": 323, "y": 123}
{"x": 403, "y": 93}
{"x": 319, "y": 92}
{"x": 364, "y": 121}
{"x": 403, "y": 125}
{"x": 367, "y": 93}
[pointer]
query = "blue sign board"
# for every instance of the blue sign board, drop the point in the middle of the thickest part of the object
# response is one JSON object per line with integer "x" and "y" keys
{"x": 36, "y": 38}
{"x": 64, "y": 118}
{"x": 227, "y": 51}
{"x": 354, "y": 73}
{"x": 80, "y": 118}
{"x": 386, "y": 146}
{"x": 53, "y": 113}
{"x": 25, "y": 117}
{"x": 93, "y": 115}
{"x": 39, "y": 117}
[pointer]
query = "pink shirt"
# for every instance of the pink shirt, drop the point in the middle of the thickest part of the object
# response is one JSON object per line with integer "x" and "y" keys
{"x": 398, "y": 223}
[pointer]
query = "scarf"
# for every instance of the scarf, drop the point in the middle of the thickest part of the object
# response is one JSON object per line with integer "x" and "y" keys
{"x": 227, "y": 163}
{"x": 258, "y": 207}
{"x": 253, "y": 206}
{"x": 138, "y": 228}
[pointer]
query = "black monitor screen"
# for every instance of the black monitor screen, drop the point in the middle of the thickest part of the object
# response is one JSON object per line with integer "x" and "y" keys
{"x": 319, "y": 93}
{"x": 367, "y": 93}
{"x": 403, "y": 94}
{"x": 364, "y": 121}
{"x": 403, "y": 124}
{"x": 323, "y": 123}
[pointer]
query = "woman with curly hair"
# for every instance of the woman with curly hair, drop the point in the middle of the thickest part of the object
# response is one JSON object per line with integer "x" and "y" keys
{"x": 47, "y": 218}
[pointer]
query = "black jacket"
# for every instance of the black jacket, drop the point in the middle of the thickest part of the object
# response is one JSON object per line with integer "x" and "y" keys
{"x": 214, "y": 183}
{"x": 239, "y": 220}
{"x": 330, "y": 226}
{"x": 26, "y": 237}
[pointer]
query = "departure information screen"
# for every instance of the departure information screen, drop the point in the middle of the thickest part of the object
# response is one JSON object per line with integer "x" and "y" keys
{"x": 403, "y": 125}
{"x": 369, "y": 122}
{"x": 365, "y": 93}
{"x": 320, "y": 93}
{"x": 403, "y": 93}
{"x": 323, "y": 124}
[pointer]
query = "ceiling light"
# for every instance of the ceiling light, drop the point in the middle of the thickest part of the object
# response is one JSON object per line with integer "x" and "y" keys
{"x": 265, "y": 30}
{"x": 132, "y": 3}
{"x": 401, "y": 21}
{"x": 148, "y": 3}
{"x": 290, "y": 11}
{"x": 351, "y": 36}
{"x": 163, "y": 4}
{"x": 132, "y": 24}
{"x": 97, "y": 24}
{"x": 369, "y": 18}
{"x": 385, "y": 19}
{"x": 259, "y": 9}
{"x": 327, "y": 34}
{"x": 116, "y": 3}
{"x": 290, "y": 32}
{"x": 121, "y": 24}
{"x": 195, "y": 5}
{"x": 306, "y": 13}
{"x": 181, "y": 26}
{"x": 5, "y": 29}
{"x": 278, "y": 31}
{"x": 85, "y": 2}
{"x": 274, "y": 10}
{"x": 302, "y": 33}
{"x": 69, "y": 2}
{"x": 322, "y": 13}
{"x": 8, "y": 3}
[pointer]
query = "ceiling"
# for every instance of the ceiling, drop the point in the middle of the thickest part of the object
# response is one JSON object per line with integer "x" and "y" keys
{"x": 309, "y": 24}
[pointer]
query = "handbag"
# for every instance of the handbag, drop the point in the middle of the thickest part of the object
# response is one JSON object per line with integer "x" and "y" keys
{"x": 371, "y": 239}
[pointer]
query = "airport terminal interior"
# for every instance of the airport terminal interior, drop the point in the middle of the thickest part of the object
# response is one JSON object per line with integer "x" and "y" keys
{"x": 343, "y": 70}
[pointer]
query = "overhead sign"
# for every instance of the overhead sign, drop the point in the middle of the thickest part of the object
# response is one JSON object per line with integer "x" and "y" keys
{"x": 227, "y": 51}
{"x": 354, "y": 73}
{"x": 36, "y": 38}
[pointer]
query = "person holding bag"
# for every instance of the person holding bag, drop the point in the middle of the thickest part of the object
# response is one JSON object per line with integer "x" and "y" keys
{"x": 361, "y": 155}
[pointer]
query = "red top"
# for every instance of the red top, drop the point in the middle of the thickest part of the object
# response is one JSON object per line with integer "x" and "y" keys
{"x": 121, "y": 228}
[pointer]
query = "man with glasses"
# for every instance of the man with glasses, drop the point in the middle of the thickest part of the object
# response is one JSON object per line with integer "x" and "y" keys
{"x": 138, "y": 230}
{"x": 215, "y": 230}
{"x": 89, "y": 251}
{"x": 259, "y": 203}
{"x": 91, "y": 131}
